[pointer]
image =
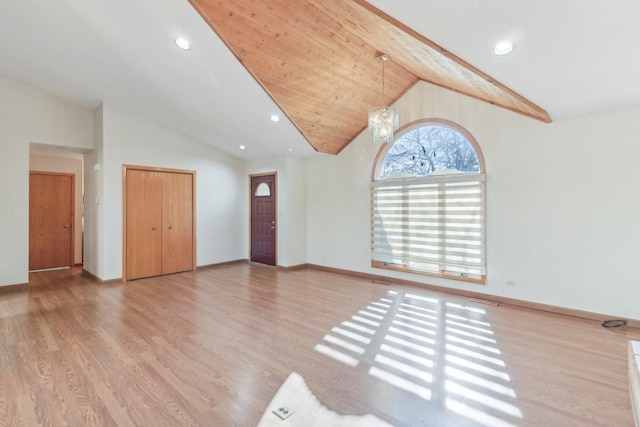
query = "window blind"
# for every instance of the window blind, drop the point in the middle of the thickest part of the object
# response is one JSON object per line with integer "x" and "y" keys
{"x": 432, "y": 224}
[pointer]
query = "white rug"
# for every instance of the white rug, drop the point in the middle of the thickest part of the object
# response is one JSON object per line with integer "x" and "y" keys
{"x": 307, "y": 411}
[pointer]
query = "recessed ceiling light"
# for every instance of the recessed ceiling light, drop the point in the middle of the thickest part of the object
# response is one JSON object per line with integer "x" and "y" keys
{"x": 275, "y": 118}
{"x": 503, "y": 48}
{"x": 183, "y": 43}
{"x": 242, "y": 147}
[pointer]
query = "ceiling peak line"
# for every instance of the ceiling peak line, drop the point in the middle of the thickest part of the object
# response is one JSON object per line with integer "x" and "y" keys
{"x": 540, "y": 113}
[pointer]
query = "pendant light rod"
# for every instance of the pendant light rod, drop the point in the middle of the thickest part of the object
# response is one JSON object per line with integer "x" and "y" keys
{"x": 383, "y": 57}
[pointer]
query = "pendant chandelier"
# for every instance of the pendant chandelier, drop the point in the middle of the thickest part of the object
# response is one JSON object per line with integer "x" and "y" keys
{"x": 383, "y": 120}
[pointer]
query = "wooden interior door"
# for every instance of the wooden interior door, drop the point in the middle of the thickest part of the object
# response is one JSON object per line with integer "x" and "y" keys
{"x": 144, "y": 223}
{"x": 51, "y": 220}
{"x": 177, "y": 222}
{"x": 263, "y": 219}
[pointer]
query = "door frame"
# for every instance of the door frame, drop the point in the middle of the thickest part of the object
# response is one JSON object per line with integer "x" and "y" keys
{"x": 126, "y": 168}
{"x": 72, "y": 213}
{"x": 275, "y": 209}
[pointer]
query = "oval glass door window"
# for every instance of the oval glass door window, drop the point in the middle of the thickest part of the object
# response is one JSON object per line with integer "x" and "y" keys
{"x": 263, "y": 190}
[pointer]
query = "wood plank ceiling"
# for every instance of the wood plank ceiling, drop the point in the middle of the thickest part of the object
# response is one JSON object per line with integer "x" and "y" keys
{"x": 317, "y": 61}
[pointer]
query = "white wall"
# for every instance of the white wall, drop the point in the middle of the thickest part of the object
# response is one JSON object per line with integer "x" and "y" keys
{"x": 296, "y": 188}
{"x": 29, "y": 115}
{"x": 220, "y": 188}
{"x": 45, "y": 163}
{"x": 291, "y": 203}
{"x": 562, "y": 203}
{"x": 93, "y": 195}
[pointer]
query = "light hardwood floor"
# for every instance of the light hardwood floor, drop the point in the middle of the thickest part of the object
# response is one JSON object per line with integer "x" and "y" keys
{"x": 212, "y": 347}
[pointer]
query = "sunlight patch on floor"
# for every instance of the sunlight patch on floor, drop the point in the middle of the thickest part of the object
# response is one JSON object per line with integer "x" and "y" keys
{"x": 337, "y": 355}
{"x": 446, "y": 353}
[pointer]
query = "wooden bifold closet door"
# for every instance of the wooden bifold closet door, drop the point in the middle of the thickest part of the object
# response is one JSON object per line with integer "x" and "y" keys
{"x": 177, "y": 227}
{"x": 159, "y": 221}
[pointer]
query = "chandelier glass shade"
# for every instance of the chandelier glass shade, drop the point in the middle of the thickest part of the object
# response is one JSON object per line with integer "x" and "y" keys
{"x": 383, "y": 120}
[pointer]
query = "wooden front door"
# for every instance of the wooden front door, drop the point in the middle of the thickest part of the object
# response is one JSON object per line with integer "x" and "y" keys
{"x": 263, "y": 219}
{"x": 51, "y": 215}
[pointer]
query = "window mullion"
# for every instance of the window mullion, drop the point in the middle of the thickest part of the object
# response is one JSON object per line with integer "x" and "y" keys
{"x": 442, "y": 234}
{"x": 406, "y": 225}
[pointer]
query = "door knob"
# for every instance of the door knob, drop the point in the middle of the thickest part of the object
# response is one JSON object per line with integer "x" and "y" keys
{"x": 67, "y": 225}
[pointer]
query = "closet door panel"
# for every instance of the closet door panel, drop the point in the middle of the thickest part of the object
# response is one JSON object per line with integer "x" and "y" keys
{"x": 177, "y": 219}
{"x": 185, "y": 222}
{"x": 144, "y": 223}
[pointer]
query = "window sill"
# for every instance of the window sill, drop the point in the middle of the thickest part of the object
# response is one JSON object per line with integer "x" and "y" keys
{"x": 480, "y": 280}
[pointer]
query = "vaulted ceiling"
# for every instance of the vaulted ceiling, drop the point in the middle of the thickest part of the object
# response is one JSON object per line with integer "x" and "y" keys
{"x": 572, "y": 57}
{"x": 317, "y": 59}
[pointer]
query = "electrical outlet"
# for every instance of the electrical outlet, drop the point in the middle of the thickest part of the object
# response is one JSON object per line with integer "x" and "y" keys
{"x": 511, "y": 282}
{"x": 283, "y": 412}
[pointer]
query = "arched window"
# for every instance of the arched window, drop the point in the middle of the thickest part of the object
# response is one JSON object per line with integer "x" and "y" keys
{"x": 427, "y": 203}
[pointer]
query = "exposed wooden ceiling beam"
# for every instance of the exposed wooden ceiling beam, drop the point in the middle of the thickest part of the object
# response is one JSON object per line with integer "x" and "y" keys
{"x": 434, "y": 64}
